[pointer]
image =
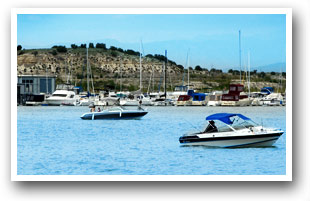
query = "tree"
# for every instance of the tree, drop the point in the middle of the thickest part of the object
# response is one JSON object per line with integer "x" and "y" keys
{"x": 231, "y": 71}
{"x": 74, "y": 46}
{"x": 213, "y": 70}
{"x": 254, "y": 72}
{"x": 180, "y": 67}
{"x": 101, "y": 45}
{"x": 149, "y": 55}
{"x": 198, "y": 68}
{"x": 61, "y": 49}
{"x": 83, "y": 46}
{"x": 113, "y": 48}
{"x": 262, "y": 74}
{"x": 273, "y": 73}
{"x": 132, "y": 52}
{"x": 19, "y": 47}
{"x": 91, "y": 45}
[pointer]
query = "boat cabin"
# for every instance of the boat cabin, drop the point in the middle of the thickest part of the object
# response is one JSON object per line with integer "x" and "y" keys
{"x": 196, "y": 96}
{"x": 234, "y": 93}
{"x": 184, "y": 98}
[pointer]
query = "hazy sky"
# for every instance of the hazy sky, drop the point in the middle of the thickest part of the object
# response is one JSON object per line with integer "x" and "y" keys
{"x": 212, "y": 40}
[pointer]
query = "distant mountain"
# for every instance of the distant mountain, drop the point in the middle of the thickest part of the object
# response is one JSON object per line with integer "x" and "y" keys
{"x": 276, "y": 67}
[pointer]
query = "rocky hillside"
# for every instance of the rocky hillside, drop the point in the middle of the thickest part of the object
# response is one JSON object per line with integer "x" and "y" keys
{"x": 108, "y": 66}
{"x": 105, "y": 64}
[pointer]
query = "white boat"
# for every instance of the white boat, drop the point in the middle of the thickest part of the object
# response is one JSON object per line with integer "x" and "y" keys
{"x": 214, "y": 99}
{"x": 257, "y": 98}
{"x": 232, "y": 130}
{"x": 86, "y": 101}
{"x": 273, "y": 99}
{"x": 135, "y": 101}
{"x": 115, "y": 113}
{"x": 107, "y": 98}
{"x": 64, "y": 95}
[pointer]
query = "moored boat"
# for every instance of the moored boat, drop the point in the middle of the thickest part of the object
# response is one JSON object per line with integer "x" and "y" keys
{"x": 232, "y": 130}
{"x": 236, "y": 96}
{"x": 64, "y": 95}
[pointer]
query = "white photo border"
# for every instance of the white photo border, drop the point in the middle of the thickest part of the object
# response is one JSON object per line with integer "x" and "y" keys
{"x": 286, "y": 177}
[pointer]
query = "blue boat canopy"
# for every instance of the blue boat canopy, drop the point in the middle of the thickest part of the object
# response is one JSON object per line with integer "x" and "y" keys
{"x": 225, "y": 117}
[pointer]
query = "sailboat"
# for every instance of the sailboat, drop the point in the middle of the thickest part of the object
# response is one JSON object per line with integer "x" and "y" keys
{"x": 137, "y": 98}
{"x": 88, "y": 98}
{"x": 236, "y": 95}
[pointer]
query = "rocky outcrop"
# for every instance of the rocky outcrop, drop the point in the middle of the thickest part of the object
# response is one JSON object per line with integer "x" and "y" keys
{"x": 101, "y": 63}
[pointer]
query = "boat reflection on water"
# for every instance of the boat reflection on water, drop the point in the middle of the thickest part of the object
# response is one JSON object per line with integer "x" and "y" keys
{"x": 232, "y": 130}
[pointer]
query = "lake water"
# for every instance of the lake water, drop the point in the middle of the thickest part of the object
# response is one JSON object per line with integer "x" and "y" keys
{"x": 55, "y": 141}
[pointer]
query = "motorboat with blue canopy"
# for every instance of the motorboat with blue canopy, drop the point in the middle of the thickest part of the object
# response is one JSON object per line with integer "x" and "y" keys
{"x": 232, "y": 130}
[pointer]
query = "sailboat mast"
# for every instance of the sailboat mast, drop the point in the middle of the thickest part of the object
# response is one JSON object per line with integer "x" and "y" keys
{"x": 140, "y": 68}
{"x": 120, "y": 85}
{"x": 188, "y": 70}
{"x": 249, "y": 66}
{"x": 165, "y": 74}
{"x": 87, "y": 69}
{"x": 240, "y": 53}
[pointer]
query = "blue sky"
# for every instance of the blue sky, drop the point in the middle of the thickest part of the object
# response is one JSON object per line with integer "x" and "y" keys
{"x": 212, "y": 40}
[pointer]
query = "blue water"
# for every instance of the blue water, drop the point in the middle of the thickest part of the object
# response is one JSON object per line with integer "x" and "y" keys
{"x": 55, "y": 141}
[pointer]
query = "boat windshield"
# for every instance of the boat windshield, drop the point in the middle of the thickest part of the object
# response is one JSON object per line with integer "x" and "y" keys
{"x": 216, "y": 126}
{"x": 239, "y": 123}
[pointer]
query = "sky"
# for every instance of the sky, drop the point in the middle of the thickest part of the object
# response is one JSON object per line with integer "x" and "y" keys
{"x": 210, "y": 40}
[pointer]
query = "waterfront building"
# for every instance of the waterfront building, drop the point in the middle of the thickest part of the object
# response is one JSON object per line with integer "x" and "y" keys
{"x": 33, "y": 87}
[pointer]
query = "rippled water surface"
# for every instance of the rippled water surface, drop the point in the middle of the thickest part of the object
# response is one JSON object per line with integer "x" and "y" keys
{"x": 55, "y": 141}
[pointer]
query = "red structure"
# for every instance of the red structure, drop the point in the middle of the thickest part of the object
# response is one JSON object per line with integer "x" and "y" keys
{"x": 234, "y": 93}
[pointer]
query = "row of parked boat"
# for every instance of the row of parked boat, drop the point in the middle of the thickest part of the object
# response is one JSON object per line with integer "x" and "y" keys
{"x": 70, "y": 95}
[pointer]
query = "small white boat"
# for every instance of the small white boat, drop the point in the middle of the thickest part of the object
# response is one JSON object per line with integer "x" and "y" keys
{"x": 136, "y": 101}
{"x": 115, "y": 113}
{"x": 273, "y": 99}
{"x": 232, "y": 130}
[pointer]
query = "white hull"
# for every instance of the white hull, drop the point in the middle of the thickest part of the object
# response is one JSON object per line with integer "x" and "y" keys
{"x": 183, "y": 103}
{"x": 58, "y": 102}
{"x": 62, "y": 97}
{"x": 191, "y": 103}
{"x": 214, "y": 103}
{"x": 257, "y": 102}
{"x": 242, "y": 102}
{"x": 254, "y": 142}
{"x": 86, "y": 102}
{"x": 135, "y": 102}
